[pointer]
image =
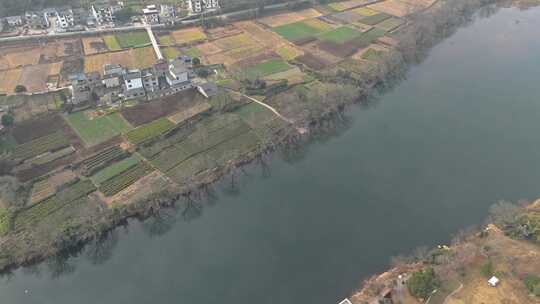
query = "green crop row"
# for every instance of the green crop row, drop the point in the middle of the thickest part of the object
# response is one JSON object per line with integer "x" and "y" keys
{"x": 125, "y": 179}
{"x": 41, "y": 145}
{"x": 102, "y": 159}
{"x": 150, "y": 130}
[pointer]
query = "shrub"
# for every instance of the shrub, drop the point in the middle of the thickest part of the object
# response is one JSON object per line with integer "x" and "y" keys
{"x": 7, "y": 120}
{"x": 532, "y": 282}
{"x": 20, "y": 88}
{"x": 487, "y": 269}
{"x": 423, "y": 282}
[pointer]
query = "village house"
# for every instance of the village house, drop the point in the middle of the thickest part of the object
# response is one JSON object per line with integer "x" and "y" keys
{"x": 198, "y": 6}
{"x": 104, "y": 14}
{"x": 178, "y": 76}
{"x": 14, "y": 21}
{"x": 37, "y": 20}
{"x": 150, "y": 80}
{"x": 151, "y": 14}
{"x": 65, "y": 18}
{"x": 133, "y": 85}
{"x": 167, "y": 14}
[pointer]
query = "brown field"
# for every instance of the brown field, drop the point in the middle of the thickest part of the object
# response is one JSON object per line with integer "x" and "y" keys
{"x": 260, "y": 34}
{"x": 39, "y": 170}
{"x": 254, "y": 60}
{"x": 9, "y": 79}
{"x": 147, "y": 112}
{"x": 188, "y": 35}
{"x": 94, "y": 45}
{"x": 61, "y": 178}
{"x": 55, "y": 68}
{"x": 234, "y": 42}
{"x": 223, "y": 31}
{"x": 328, "y": 51}
{"x": 22, "y": 57}
{"x": 291, "y": 17}
{"x": 341, "y": 6}
{"x": 34, "y": 77}
{"x": 208, "y": 48}
{"x": 313, "y": 62}
{"x": 419, "y": 3}
{"x": 189, "y": 112}
{"x": 138, "y": 58}
{"x": 33, "y": 105}
{"x": 32, "y": 129}
{"x": 393, "y": 7}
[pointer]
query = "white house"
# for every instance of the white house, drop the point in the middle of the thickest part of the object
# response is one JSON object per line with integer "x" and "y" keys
{"x": 197, "y": 6}
{"x": 133, "y": 85}
{"x": 151, "y": 14}
{"x": 494, "y": 281}
{"x": 65, "y": 18}
{"x": 14, "y": 21}
{"x": 167, "y": 13}
{"x": 104, "y": 14}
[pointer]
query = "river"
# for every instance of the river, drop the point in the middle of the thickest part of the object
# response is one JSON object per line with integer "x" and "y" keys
{"x": 414, "y": 167}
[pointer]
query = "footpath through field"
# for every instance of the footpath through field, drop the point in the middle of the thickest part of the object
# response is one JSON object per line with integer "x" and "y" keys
{"x": 154, "y": 41}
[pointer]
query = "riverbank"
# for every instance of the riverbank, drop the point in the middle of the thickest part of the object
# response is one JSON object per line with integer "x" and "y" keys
{"x": 463, "y": 269}
{"x": 22, "y": 249}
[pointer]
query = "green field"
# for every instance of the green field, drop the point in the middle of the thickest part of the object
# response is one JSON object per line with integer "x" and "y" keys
{"x": 99, "y": 129}
{"x": 149, "y": 130}
{"x": 114, "y": 169}
{"x": 375, "y": 19}
{"x": 7, "y": 143}
{"x": 340, "y": 35}
{"x": 40, "y": 145}
{"x": 125, "y": 179}
{"x": 112, "y": 43}
{"x": 372, "y": 35}
{"x": 192, "y": 52}
{"x": 390, "y": 24}
{"x": 372, "y": 55}
{"x": 296, "y": 31}
{"x": 132, "y": 39}
{"x": 165, "y": 40}
{"x": 269, "y": 67}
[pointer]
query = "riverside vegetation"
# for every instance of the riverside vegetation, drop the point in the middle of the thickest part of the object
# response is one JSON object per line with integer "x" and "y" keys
{"x": 50, "y": 206}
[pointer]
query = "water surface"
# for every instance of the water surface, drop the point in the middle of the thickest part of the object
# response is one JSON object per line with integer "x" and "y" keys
{"x": 421, "y": 163}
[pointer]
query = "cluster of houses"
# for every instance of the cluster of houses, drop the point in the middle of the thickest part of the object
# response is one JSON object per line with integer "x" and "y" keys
{"x": 77, "y": 19}
{"x": 119, "y": 84}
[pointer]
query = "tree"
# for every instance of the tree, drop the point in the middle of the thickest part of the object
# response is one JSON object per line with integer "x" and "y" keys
{"x": 196, "y": 61}
{"x": 20, "y": 88}
{"x": 7, "y": 120}
{"x": 504, "y": 213}
{"x": 203, "y": 73}
{"x": 124, "y": 15}
{"x": 423, "y": 282}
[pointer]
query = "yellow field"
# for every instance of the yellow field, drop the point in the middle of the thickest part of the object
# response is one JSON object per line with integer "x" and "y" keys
{"x": 364, "y": 11}
{"x": 239, "y": 41}
{"x": 341, "y": 6}
{"x": 90, "y": 43}
{"x": 54, "y": 68}
{"x": 138, "y": 58}
{"x": 318, "y": 24}
{"x": 9, "y": 79}
{"x": 23, "y": 57}
{"x": 288, "y": 52}
{"x": 188, "y": 35}
{"x": 260, "y": 34}
{"x": 34, "y": 77}
{"x": 208, "y": 48}
{"x": 286, "y": 18}
{"x": 393, "y": 7}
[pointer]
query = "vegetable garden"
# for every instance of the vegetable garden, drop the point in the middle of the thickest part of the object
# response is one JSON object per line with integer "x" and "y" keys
{"x": 125, "y": 179}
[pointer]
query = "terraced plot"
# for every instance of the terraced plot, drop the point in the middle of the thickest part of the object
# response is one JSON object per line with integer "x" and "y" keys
{"x": 374, "y": 19}
{"x": 125, "y": 179}
{"x": 271, "y": 66}
{"x": 340, "y": 35}
{"x": 41, "y": 145}
{"x": 390, "y": 24}
{"x": 114, "y": 169}
{"x": 100, "y": 160}
{"x": 297, "y": 31}
{"x": 150, "y": 130}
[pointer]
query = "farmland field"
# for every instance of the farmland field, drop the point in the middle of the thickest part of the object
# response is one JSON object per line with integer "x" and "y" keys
{"x": 149, "y": 131}
{"x": 390, "y": 24}
{"x": 296, "y": 31}
{"x": 94, "y": 45}
{"x": 103, "y": 158}
{"x": 34, "y": 77}
{"x": 40, "y": 145}
{"x": 288, "y": 18}
{"x": 170, "y": 53}
{"x": 9, "y": 79}
{"x": 372, "y": 54}
{"x": 340, "y": 35}
{"x": 374, "y": 19}
{"x": 269, "y": 67}
{"x": 143, "y": 57}
{"x": 41, "y": 190}
{"x": 393, "y": 7}
{"x": 192, "y": 52}
{"x": 111, "y": 43}
{"x": 138, "y": 58}
{"x": 364, "y": 11}
{"x": 94, "y": 130}
{"x": 288, "y": 52}
{"x": 188, "y": 35}
{"x": 132, "y": 39}
{"x": 237, "y": 41}
{"x": 114, "y": 169}
{"x": 165, "y": 40}
{"x": 125, "y": 179}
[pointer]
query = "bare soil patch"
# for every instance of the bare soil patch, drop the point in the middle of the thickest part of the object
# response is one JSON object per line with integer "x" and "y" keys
{"x": 393, "y": 7}
{"x": 94, "y": 45}
{"x": 147, "y": 112}
{"x": 9, "y": 79}
{"x": 313, "y": 62}
{"x": 35, "y": 128}
{"x": 34, "y": 77}
{"x": 248, "y": 62}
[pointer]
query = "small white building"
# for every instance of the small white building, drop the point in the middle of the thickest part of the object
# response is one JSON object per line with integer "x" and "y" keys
{"x": 14, "y": 21}
{"x": 167, "y": 13}
{"x": 494, "y": 281}
{"x": 133, "y": 85}
{"x": 151, "y": 14}
{"x": 65, "y": 18}
{"x": 198, "y": 6}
